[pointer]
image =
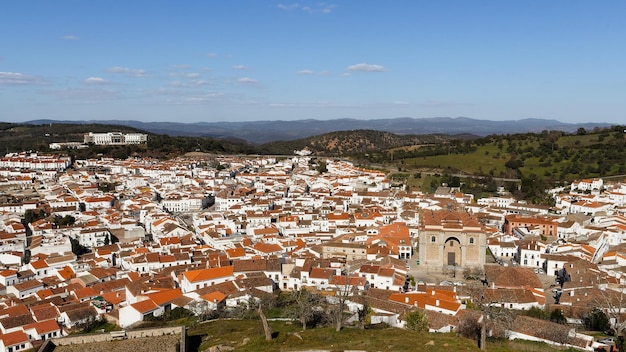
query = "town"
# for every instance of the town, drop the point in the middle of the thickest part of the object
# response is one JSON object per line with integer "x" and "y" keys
{"x": 129, "y": 240}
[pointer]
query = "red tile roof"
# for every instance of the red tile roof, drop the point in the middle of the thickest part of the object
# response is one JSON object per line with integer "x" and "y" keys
{"x": 14, "y": 338}
{"x": 145, "y": 306}
{"x": 208, "y": 274}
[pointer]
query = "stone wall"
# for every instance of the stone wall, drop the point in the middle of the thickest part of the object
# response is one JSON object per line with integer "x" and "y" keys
{"x": 131, "y": 334}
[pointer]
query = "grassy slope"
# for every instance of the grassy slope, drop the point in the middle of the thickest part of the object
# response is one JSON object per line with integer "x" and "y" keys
{"x": 247, "y": 335}
{"x": 489, "y": 159}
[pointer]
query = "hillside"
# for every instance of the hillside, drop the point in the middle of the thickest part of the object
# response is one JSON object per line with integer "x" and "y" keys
{"x": 345, "y": 143}
{"x": 246, "y": 335}
{"x": 19, "y": 137}
{"x": 22, "y": 137}
{"x": 536, "y": 161}
{"x": 525, "y": 163}
{"x": 259, "y": 132}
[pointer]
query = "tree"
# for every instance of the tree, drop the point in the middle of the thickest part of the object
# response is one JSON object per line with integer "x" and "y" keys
{"x": 266, "y": 325}
{"x": 321, "y": 167}
{"x": 66, "y": 220}
{"x": 416, "y": 321}
{"x": 613, "y": 302}
{"x": 556, "y": 316}
{"x": 343, "y": 292}
{"x": 201, "y": 309}
{"x": 78, "y": 248}
{"x": 306, "y": 305}
{"x": 365, "y": 314}
{"x": 31, "y": 215}
{"x": 597, "y": 320}
{"x": 537, "y": 312}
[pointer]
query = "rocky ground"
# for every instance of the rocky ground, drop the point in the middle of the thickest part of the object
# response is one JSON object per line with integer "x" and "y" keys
{"x": 166, "y": 343}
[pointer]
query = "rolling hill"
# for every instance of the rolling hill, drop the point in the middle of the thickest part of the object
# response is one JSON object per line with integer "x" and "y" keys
{"x": 259, "y": 132}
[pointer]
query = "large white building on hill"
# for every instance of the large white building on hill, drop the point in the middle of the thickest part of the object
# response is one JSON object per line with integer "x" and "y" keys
{"x": 115, "y": 138}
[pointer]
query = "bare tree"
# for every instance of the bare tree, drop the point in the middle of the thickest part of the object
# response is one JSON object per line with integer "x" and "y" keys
{"x": 306, "y": 305}
{"x": 344, "y": 290}
{"x": 266, "y": 326}
{"x": 556, "y": 334}
{"x": 612, "y": 300}
{"x": 200, "y": 308}
{"x": 493, "y": 320}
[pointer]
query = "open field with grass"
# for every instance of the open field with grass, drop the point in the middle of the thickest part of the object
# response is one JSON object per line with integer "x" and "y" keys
{"x": 247, "y": 335}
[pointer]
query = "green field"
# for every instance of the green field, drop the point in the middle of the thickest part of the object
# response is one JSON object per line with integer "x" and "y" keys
{"x": 247, "y": 335}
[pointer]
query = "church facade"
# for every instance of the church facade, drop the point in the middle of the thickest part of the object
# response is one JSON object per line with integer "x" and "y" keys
{"x": 450, "y": 239}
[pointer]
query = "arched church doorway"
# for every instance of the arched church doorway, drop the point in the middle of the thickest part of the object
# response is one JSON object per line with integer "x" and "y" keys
{"x": 452, "y": 252}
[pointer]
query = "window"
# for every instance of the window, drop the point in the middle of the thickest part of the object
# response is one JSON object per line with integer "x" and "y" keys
{"x": 471, "y": 240}
{"x": 433, "y": 239}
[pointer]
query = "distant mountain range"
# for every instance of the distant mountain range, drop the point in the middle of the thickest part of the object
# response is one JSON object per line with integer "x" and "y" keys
{"x": 259, "y": 132}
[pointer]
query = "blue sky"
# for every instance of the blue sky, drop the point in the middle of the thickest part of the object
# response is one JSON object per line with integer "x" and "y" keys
{"x": 237, "y": 60}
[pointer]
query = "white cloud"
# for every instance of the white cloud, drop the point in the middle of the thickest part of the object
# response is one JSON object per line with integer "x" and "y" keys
{"x": 189, "y": 84}
{"x": 16, "y": 78}
{"x": 247, "y": 80}
{"x": 443, "y": 103}
{"x": 205, "y": 97}
{"x": 96, "y": 81}
{"x": 185, "y": 74}
{"x": 400, "y": 102}
{"x": 319, "y": 7}
{"x": 316, "y": 73}
{"x": 128, "y": 71}
{"x": 200, "y": 82}
{"x": 310, "y": 105}
{"x": 363, "y": 67}
{"x": 70, "y": 37}
{"x": 212, "y": 55}
{"x": 240, "y": 67}
{"x": 208, "y": 98}
{"x": 288, "y": 6}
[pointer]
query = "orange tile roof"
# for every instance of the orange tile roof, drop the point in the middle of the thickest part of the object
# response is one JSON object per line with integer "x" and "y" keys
{"x": 86, "y": 292}
{"x": 43, "y": 294}
{"x": 14, "y": 338}
{"x": 235, "y": 252}
{"x": 145, "y": 306}
{"x": 166, "y": 296}
{"x": 215, "y": 296}
{"x": 9, "y": 272}
{"x": 422, "y": 300}
{"x": 66, "y": 273}
{"x": 114, "y": 297}
{"x": 39, "y": 264}
{"x": 134, "y": 276}
{"x": 208, "y": 274}
{"x": 267, "y": 247}
{"x": 43, "y": 327}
